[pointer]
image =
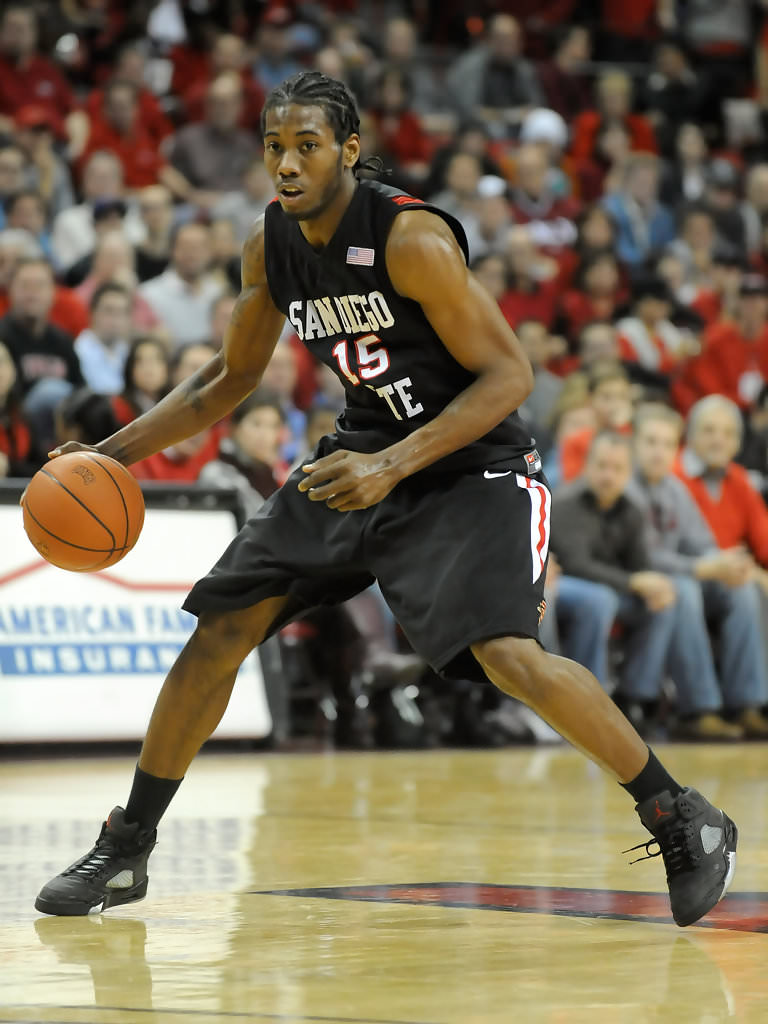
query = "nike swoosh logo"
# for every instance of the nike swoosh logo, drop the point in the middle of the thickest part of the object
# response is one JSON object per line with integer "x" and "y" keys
{"x": 490, "y": 476}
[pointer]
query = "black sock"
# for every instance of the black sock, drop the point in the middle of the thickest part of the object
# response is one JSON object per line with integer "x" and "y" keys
{"x": 149, "y": 799}
{"x": 651, "y": 781}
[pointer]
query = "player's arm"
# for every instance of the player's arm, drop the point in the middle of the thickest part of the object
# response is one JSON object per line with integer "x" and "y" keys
{"x": 426, "y": 264}
{"x": 211, "y": 393}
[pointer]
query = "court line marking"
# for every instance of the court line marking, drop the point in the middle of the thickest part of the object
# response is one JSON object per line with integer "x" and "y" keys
{"x": 235, "y": 1014}
{"x": 739, "y": 911}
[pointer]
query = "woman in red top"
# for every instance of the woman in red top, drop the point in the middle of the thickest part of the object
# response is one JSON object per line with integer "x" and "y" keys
{"x": 614, "y": 104}
{"x": 147, "y": 379}
{"x": 399, "y": 130}
{"x": 598, "y": 295}
{"x": 16, "y": 454}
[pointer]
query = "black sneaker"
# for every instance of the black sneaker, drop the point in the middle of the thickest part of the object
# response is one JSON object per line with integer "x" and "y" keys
{"x": 698, "y": 844}
{"x": 113, "y": 872}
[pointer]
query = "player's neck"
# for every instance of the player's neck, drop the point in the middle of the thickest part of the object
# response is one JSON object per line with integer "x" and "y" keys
{"x": 320, "y": 230}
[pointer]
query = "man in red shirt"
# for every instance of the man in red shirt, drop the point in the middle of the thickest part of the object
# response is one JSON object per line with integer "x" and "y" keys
{"x": 117, "y": 127}
{"x": 734, "y": 356}
{"x": 26, "y": 76}
{"x": 131, "y": 66}
{"x": 734, "y": 509}
{"x": 550, "y": 218}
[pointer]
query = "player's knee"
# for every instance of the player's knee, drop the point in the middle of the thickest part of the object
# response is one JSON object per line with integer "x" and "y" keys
{"x": 514, "y": 664}
{"x": 221, "y": 637}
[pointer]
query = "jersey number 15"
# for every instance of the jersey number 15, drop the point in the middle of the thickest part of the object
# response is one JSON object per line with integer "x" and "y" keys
{"x": 371, "y": 362}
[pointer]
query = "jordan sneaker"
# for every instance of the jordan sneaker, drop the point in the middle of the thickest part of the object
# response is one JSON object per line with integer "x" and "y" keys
{"x": 112, "y": 873}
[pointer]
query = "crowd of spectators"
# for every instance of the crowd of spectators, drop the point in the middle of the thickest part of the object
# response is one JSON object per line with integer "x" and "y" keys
{"x": 609, "y": 164}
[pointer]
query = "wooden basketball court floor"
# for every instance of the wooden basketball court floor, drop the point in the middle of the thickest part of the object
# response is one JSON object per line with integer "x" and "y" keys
{"x": 434, "y": 888}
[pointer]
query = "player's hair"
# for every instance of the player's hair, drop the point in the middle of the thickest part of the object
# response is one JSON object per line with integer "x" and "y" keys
{"x": 657, "y": 412}
{"x": 314, "y": 89}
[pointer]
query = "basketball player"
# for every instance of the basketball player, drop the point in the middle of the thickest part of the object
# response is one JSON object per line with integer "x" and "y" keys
{"x": 431, "y": 485}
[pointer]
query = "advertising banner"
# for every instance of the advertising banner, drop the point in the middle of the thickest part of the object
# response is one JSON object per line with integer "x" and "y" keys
{"x": 83, "y": 655}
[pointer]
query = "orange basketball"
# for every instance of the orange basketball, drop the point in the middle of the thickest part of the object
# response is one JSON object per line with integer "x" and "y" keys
{"x": 83, "y": 511}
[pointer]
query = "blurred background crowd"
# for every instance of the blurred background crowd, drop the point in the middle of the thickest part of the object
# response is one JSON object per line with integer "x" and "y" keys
{"x": 609, "y": 163}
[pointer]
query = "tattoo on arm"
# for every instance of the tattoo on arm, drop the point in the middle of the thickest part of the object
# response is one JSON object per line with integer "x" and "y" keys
{"x": 192, "y": 390}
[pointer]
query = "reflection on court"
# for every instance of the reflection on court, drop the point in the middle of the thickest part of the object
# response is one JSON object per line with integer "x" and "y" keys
{"x": 440, "y": 888}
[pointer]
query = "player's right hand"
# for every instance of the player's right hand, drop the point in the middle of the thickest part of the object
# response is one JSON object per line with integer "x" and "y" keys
{"x": 70, "y": 448}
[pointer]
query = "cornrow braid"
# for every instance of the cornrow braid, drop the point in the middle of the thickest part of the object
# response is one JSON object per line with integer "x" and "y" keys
{"x": 314, "y": 89}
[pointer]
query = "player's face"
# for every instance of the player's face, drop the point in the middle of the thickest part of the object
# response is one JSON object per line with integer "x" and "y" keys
{"x": 304, "y": 160}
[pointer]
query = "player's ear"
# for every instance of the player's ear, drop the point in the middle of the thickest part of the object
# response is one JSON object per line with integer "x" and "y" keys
{"x": 351, "y": 150}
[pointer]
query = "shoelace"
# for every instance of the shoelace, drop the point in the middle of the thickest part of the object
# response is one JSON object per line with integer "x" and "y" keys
{"x": 677, "y": 852}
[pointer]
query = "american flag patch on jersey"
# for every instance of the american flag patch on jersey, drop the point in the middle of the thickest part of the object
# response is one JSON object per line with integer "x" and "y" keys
{"x": 362, "y": 257}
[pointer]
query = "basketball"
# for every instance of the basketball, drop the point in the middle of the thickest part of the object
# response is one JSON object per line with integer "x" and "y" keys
{"x": 83, "y": 511}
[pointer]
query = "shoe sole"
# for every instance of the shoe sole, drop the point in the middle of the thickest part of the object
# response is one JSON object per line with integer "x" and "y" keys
{"x": 72, "y": 908}
{"x": 732, "y": 838}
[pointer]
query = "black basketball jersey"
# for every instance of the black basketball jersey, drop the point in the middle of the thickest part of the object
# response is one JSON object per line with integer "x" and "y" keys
{"x": 396, "y": 371}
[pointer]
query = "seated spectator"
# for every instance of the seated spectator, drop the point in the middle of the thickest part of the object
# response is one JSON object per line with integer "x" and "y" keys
{"x": 492, "y": 81}
{"x": 399, "y": 129}
{"x": 598, "y": 342}
{"x": 598, "y": 295}
{"x": 491, "y": 271}
{"x": 103, "y": 347}
{"x": 182, "y": 462}
{"x": 44, "y": 355}
{"x": 13, "y": 163}
{"x": 734, "y": 354}
{"x": 712, "y": 586}
{"x": 548, "y": 131}
{"x": 249, "y": 458}
{"x": 247, "y": 203}
{"x": 550, "y": 219}
{"x": 26, "y": 76}
{"x": 189, "y": 359}
{"x": 280, "y": 377}
{"x": 119, "y": 130}
{"x": 733, "y": 508}
{"x": 684, "y": 180}
{"x": 674, "y": 91}
{"x": 597, "y": 537}
{"x": 563, "y": 78}
{"x": 539, "y": 405}
{"x": 153, "y": 252}
{"x": 25, "y": 211}
{"x": 717, "y": 299}
{"x": 473, "y": 138}
{"x": 274, "y": 61}
{"x": 722, "y": 197}
{"x": 647, "y": 336}
{"x": 493, "y": 217}
{"x": 754, "y": 209}
{"x": 17, "y": 450}
{"x": 696, "y": 243}
{"x": 212, "y": 156}
{"x": 108, "y": 219}
{"x": 595, "y": 233}
{"x": 68, "y": 311}
{"x": 131, "y": 67}
{"x": 228, "y": 54}
{"x": 644, "y": 226}
{"x": 614, "y": 104}
{"x": 74, "y": 233}
{"x": 181, "y": 296}
{"x": 610, "y": 396}
{"x": 37, "y": 133}
{"x": 401, "y": 50}
{"x": 459, "y": 196}
{"x": 84, "y": 416}
{"x": 602, "y": 175}
{"x": 221, "y": 313}
{"x": 225, "y": 255}
{"x": 533, "y": 288}
{"x": 146, "y": 379}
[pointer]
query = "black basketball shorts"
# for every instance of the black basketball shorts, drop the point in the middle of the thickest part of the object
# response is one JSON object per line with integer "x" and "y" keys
{"x": 459, "y": 559}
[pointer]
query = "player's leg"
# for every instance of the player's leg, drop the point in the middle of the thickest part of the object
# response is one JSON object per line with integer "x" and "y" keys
{"x": 188, "y": 709}
{"x": 697, "y": 841}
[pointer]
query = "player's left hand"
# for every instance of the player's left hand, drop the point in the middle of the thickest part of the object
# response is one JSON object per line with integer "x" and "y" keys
{"x": 349, "y": 480}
